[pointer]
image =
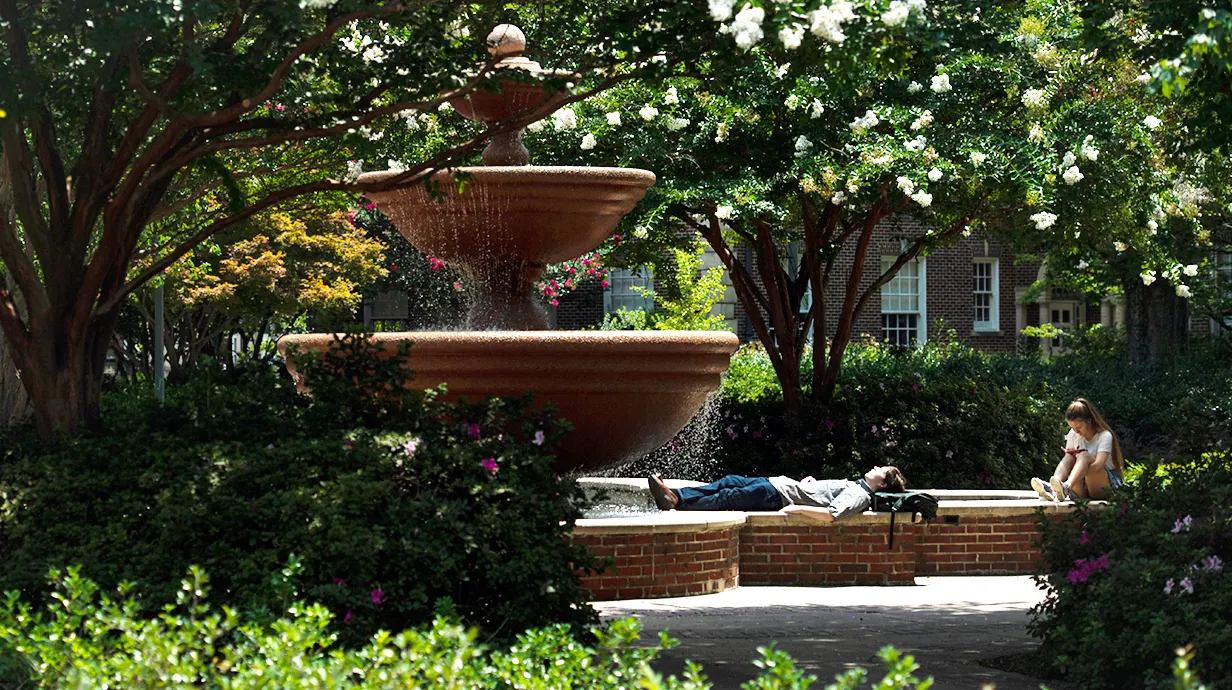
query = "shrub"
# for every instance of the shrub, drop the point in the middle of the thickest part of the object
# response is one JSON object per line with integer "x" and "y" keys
{"x": 1131, "y": 582}
{"x": 395, "y": 499}
{"x": 88, "y": 639}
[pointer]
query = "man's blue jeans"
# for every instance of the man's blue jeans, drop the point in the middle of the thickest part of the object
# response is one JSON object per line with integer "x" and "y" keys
{"x": 732, "y": 492}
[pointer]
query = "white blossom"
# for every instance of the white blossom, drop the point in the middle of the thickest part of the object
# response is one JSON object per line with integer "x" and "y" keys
{"x": 564, "y": 119}
{"x": 316, "y": 4}
{"x": 1043, "y": 220}
{"x": 905, "y": 184}
{"x": 672, "y": 97}
{"x": 648, "y": 113}
{"x": 853, "y": 185}
{"x": 838, "y": 198}
{"x": 826, "y": 23}
{"x": 1152, "y": 122}
{"x": 1143, "y": 78}
{"x": 721, "y": 10}
{"x": 782, "y": 70}
{"x": 720, "y": 133}
{"x": 589, "y": 142}
{"x": 977, "y": 158}
{"x": 816, "y": 109}
{"x": 536, "y": 126}
{"x": 1087, "y": 151}
{"x": 641, "y": 232}
{"x": 882, "y": 160}
{"x": 354, "y": 169}
{"x": 372, "y": 134}
{"x": 1191, "y": 270}
{"x": 613, "y": 119}
{"x": 1035, "y": 98}
{"x": 1082, "y": 264}
{"x": 917, "y": 144}
{"x": 1152, "y": 227}
{"x": 915, "y": 87}
{"x": 791, "y": 36}
{"x": 923, "y": 198}
{"x": 1183, "y": 290}
{"x": 934, "y": 174}
{"x": 1147, "y": 277}
{"x": 1036, "y": 134}
{"x": 792, "y": 102}
{"x": 941, "y": 84}
{"x": 1120, "y": 246}
{"x": 1073, "y": 175}
{"x": 675, "y": 124}
{"x": 864, "y": 122}
{"x": 802, "y": 145}
{"x": 746, "y": 27}
{"x": 1069, "y": 159}
{"x": 925, "y": 119}
{"x": 897, "y": 14}
{"x": 395, "y": 165}
{"x": 724, "y": 212}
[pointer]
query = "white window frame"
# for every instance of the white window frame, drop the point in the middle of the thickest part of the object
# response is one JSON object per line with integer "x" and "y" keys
{"x": 619, "y": 292}
{"x": 994, "y": 321}
{"x": 921, "y": 291}
{"x": 1059, "y": 347}
{"x": 1222, "y": 268}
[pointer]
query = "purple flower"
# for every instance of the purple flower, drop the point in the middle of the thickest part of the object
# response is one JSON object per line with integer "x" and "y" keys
{"x": 829, "y": 423}
{"x": 756, "y": 434}
{"x": 1084, "y": 568}
{"x": 1168, "y": 586}
{"x": 378, "y": 595}
{"x": 340, "y": 582}
{"x": 949, "y": 453}
{"x": 1187, "y": 585}
{"x": 348, "y": 444}
{"x": 490, "y": 465}
{"x": 1182, "y": 525}
{"x": 349, "y": 615}
{"x": 411, "y": 446}
{"x": 1212, "y": 563}
{"x": 1084, "y": 539}
{"x": 539, "y": 438}
{"x": 915, "y": 386}
{"x": 474, "y": 432}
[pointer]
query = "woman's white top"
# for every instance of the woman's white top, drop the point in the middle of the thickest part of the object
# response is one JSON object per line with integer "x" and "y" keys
{"x": 1099, "y": 443}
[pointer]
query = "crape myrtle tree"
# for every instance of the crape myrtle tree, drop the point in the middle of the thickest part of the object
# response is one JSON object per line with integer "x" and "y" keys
{"x": 1160, "y": 209}
{"x": 116, "y": 113}
{"x": 943, "y": 112}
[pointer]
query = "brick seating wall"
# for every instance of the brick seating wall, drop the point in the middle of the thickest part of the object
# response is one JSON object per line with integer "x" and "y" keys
{"x": 776, "y": 549}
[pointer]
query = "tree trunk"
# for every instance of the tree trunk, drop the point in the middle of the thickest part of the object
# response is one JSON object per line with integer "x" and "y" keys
{"x": 1157, "y": 323}
{"x": 63, "y": 375}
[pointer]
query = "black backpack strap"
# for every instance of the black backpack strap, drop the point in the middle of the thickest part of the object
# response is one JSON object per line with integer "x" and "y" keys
{"x": 892, "y": 514}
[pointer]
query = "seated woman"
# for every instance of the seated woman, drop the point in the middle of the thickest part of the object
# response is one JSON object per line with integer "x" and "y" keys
{"x": 1092, "y": 462}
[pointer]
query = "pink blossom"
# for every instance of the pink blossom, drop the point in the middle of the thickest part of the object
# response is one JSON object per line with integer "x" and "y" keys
{"x": 411, "y": 446}
{"x": 1084, "y": 539}
{"x": 490, "y": 465}
{"x": 756, "y": 434}
{"x": 378, "y": 595}
{"x": 474, "y": 432}
{"x": 281, "y": 107}
{"x": 1212, "y": 563}
{"x": 1182, "y": 525}
{"x": 348, "y": 444}
{"x": 1187, "y": 585}
{"x": 605, "y": 283}
{"x": 829, "y": 423}
{"x": 1085, "y": 568}
{"x": 1169, "y": 585}
{"x": 555, "y": 302}
{"x": 457, "y": 286}
{"x": 349, "y": 615}
{"x": 915, "y": 386}
{"x": 539, "y": 438}
{"x": 340, "y": 582}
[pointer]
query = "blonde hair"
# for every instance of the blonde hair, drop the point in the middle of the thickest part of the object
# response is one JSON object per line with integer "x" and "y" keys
{"x": 1081, "y": 410}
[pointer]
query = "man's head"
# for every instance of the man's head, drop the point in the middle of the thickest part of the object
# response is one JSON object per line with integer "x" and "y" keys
{"x": 886, "y": 478}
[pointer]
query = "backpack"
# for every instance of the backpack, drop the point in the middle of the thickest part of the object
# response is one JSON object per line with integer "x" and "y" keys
{"x": 919, "y": 505}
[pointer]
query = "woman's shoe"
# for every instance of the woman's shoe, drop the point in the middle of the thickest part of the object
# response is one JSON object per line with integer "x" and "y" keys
{"x": 1060, "y": 488}
{"x": 663, "y": 496}
{"x": 1041, "y": 487}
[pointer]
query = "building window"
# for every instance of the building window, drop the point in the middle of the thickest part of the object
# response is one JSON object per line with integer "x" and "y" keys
{"x": 985, "y": 291}
{"x": 903, "y": 309}
{"x": 1063, "y": 315}
{"x": 387, "y": 306}
{"x": 1223, "y": 280}
{"x": 623, "y": 292}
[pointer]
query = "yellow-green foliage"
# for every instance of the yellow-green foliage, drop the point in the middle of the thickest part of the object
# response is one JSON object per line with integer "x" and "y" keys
{"x": 690, "y": 305}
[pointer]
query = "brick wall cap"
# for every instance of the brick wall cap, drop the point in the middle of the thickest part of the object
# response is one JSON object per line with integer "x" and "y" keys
{"x": 668, "y": 522}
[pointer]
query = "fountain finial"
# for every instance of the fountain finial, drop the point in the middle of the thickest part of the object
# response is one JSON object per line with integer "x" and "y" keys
{"x": 506, "y": 41}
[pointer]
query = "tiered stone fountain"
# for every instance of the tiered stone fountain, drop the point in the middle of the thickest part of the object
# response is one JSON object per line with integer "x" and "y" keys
{"x": 626, "y": 393}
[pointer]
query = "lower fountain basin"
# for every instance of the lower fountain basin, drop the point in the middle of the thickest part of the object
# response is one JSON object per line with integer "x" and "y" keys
{"x": 626, "y": 393}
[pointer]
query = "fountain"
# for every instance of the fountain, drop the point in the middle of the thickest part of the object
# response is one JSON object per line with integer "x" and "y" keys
{"x": 625, "y": 393}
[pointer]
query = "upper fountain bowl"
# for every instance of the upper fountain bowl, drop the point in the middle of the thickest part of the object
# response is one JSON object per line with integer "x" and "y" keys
{"x": 528, "y": 214}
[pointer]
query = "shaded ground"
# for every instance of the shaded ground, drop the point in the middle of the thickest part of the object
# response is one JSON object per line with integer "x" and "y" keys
{"x": 953, "y": 626}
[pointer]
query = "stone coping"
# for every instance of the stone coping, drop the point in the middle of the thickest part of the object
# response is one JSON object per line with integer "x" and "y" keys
{"x": 677, "y": 521}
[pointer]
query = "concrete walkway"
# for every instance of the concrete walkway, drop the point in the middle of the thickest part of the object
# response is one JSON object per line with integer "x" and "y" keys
{"x": 948, "y": 623}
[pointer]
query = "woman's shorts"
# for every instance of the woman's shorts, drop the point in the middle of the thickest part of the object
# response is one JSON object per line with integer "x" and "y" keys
{"x": 1115, "y": 480}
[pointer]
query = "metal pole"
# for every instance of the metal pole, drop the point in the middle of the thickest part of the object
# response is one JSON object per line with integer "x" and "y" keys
{"x": 160, "y": 351}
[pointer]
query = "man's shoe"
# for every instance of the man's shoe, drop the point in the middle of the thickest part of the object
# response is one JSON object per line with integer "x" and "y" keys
{"x": 1061, "y": 489}
{"x": 663, "y": 496}
{"x": 1042, "y": 488}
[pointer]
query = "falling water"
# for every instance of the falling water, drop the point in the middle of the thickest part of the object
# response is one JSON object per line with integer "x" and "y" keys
{"x": 691, "y": 454}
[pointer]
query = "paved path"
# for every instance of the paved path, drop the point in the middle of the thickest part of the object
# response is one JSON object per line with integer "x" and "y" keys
{"x": 948, "y": 623}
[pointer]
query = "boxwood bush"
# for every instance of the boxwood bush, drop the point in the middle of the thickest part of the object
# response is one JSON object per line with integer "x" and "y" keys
{"x": 394, "y": 499}
{"x": 1141, "y": 577}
